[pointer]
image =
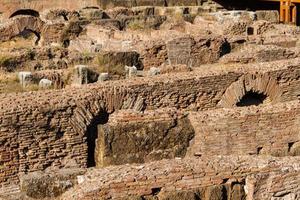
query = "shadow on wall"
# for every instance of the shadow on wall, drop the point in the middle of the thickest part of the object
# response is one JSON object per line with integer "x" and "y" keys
{"x": 248, "y": 5}
{"x": 29, "y": 12}
{"x": 92, "y": 135}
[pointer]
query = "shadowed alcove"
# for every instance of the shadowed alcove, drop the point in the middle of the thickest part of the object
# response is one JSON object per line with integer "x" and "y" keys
{"x": 92, "y": 135}
{"x": 252, "y": 98}
{"x": 251, "y": 89}
{"x": 29, "y": 34}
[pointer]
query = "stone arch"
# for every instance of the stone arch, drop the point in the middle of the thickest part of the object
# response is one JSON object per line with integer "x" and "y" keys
{"x": 95, "y": 108}
{"x": 26, "y": 31}
{"x": 20, "y": 24}
{"x": 251, "y": 87}
{"x": 29, "y": 12}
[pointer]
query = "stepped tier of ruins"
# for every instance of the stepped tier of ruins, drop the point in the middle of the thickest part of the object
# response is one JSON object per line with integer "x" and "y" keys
{"x": 148, "y": 100}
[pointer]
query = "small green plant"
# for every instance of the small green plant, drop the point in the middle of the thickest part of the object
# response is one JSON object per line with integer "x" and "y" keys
{"x": 8, "y": 63}
{"x": 86, "y": 57}
{"x": 4, "y": 60}
{"x": 104, "y": 65}
{"x": 136, "y": 25}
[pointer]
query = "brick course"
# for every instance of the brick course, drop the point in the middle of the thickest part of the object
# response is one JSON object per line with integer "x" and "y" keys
{"x": 47, "y": 129}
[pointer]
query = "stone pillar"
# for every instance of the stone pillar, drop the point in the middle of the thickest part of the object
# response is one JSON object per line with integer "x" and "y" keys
{"x": 45, "y": 83}
{"x": 24, "y": 78}
{"x": 83, "y": 75}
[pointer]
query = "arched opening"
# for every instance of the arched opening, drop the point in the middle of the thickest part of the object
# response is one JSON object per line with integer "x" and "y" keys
{"x": 252, "y": 98}
{"x": 27, "y": 37}
{"x": 30, "y": 12}
{"x": 92, "y": 135}
{"x": 30, "y": 35}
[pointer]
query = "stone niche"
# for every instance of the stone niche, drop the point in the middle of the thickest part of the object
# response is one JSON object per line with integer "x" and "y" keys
{"x": 139, "y": 138}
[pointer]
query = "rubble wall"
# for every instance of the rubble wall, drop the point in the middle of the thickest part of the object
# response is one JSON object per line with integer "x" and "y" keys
{"x": 189, "y": 179}
{"x": 131, "y": 3}
{"x": 47, "y": 129}
{"x": 8, "y": 7}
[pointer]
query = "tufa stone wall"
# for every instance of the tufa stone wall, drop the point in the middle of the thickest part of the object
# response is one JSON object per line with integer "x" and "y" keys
{"x": 137, "y": 138}
{"x": 49, "y": 129}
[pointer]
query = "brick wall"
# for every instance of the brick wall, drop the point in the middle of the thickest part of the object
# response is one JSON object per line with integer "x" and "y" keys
{"x": 272, "y": 130}
{"x": 262, "y": 176}
{"x": 48, "y": 129}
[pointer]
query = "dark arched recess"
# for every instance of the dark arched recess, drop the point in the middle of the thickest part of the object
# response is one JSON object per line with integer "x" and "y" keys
{"x": 30, "y": 12}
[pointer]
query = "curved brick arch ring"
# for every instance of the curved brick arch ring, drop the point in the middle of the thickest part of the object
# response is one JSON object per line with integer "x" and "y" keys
{"x": 262, "y": 84}
{"x": 29, "y": 12}
{"x": 16, "y": 25}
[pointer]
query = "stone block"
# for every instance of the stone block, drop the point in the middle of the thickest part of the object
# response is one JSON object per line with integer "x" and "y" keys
{"x": 25, "y": 78}
{"x": 131, "y": 71}
{"x": 146, "y": 139}
{"x": 153, "y": 71}
{"x": 83, "y": 75}
{"x": 103, "y": 77}
{"x": 40, "y": 185}
{"x": 45, "y": 83}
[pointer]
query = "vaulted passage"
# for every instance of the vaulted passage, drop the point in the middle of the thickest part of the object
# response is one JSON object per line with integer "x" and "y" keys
{"x": 30, "y": 12}
{"x": 252, "y": 99}
{"x": 92, "y": 135}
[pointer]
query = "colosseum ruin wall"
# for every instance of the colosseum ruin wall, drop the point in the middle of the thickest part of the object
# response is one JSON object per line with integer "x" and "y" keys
{"x": 62, "y": 119}
{"x": 149, "y": 100}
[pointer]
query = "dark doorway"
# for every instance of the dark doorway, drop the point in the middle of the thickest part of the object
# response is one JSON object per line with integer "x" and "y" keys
{"x": 92, "y": 135}
{"x": 252, "y": 99}
{"x": 30, "y": 12}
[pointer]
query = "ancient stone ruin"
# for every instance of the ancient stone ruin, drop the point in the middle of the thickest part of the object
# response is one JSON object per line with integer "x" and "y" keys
{"x": 149, "y": 100}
